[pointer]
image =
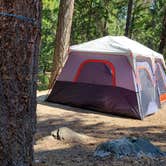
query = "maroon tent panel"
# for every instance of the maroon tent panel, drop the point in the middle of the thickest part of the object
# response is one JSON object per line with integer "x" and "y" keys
{"x": 101, "y": 98}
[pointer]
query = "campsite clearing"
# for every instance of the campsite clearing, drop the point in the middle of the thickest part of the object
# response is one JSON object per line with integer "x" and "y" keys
{"x": 101, "y": 126}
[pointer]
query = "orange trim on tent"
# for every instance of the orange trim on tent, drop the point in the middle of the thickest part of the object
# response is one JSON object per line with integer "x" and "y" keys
{"x": 111, "y": 66}
{"x": 163, "y": 97}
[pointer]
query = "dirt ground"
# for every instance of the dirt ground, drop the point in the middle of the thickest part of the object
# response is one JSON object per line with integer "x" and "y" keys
{"x": 102, "y": 127}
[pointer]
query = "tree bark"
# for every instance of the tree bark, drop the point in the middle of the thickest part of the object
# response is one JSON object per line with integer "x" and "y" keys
{"x": 20, "y": 23}
{"x": 128, "y": 19}
{"x": 62, "y": 40}
{"x": 90, "y": 14}
{"x": 163, "y": 34}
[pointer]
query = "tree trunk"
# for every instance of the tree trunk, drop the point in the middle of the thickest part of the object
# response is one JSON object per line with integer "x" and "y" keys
{"x": 62, "y": 40}
{"x": 105, "y": 27}
{"x": 105, "y": 21}
{"x": 128, "y": 19}
{"x": 163, "y": 34}
{"x": 19, "y": 48}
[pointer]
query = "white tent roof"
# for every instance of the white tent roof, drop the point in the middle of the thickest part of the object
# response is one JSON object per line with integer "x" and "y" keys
{"x": 116, "y": 45}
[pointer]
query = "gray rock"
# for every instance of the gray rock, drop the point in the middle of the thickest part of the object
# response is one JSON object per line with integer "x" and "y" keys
{"x": 128, "y": 146}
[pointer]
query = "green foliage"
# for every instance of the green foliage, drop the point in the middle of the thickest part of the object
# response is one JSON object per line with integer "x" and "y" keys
{"x": 147, "y": 23}
{"x": 43, "y": 81}
{"x": 90, "y": 20}
{"x": 49, "y": 21}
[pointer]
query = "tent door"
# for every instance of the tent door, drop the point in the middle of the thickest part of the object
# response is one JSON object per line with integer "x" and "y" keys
{"x": 146, "y": 88}
{"x": 94, "y": 71}
{"x": 161, "y": 82}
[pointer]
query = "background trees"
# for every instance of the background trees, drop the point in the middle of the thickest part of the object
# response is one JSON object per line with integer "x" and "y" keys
{"x": 97, "y": 18}
{"x": 49, "y": 22}
{"x": 19, "y": 48}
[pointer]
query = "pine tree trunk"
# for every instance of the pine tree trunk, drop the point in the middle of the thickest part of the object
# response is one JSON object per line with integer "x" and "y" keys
{"x": 163, "y": 34}
{"x": 128, "y": 19}
{"x": 62, "y": 40}
{"x": 19, "y": 49}
{"x": 88, "y": 28}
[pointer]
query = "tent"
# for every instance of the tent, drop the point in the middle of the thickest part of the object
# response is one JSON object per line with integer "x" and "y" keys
{"x": 113, "y": 74}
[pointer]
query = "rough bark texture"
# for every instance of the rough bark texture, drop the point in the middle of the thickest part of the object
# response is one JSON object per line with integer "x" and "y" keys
{"x": 128, "y": 19}
{"x": 62, "y": 37}
{"x": 19, "y": 48}
{"x": 163, "y": 34}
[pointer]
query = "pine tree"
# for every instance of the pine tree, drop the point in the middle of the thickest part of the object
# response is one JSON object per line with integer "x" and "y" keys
{"x": 65, "y": 15}
{"x": 129, "y": 18}
{"x": 19, "y": 48}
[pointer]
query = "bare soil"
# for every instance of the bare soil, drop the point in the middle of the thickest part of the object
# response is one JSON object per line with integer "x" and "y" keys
{"x": 101, "y": 127}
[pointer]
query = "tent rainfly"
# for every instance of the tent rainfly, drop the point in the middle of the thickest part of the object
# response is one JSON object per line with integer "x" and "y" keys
{"x": 113, "y": 74}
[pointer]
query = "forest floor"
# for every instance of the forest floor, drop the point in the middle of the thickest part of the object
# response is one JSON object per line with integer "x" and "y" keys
{"x": 102, "y": 127}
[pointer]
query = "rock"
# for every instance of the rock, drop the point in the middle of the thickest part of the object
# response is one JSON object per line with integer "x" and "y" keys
{"x": 127, "y": 146}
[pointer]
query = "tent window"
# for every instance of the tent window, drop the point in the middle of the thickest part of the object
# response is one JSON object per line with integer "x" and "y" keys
{"x": 161, "y": 78}
{"x": 99, "y": 72}
{"x": 147, "y": 88}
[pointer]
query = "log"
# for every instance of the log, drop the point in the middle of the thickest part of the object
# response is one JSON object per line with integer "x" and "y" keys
{"x": 68, "y": 135}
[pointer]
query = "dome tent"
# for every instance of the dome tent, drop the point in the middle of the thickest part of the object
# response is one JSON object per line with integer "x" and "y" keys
{"x": 112, "y": 74}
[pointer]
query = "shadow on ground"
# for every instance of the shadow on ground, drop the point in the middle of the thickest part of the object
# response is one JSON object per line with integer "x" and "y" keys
{"x": 153, "y": 132}
{"x": 83, "y": 156}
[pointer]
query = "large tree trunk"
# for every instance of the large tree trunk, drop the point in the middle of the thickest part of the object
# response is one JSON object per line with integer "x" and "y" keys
{"x": 163, "y": 34}
{"x": 19, "y": 48}
{"x": 128, "y": 19}
{"x": 62, "y": 40}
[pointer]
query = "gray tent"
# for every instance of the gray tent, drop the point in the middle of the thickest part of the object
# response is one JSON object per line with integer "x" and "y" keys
{"x": 112, "y": 74}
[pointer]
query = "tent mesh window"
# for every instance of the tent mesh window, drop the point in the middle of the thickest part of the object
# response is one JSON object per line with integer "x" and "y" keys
{"x": 161, "y": 79}
{"x": 96, "y": 73}
{"x": 147, "y": 89}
